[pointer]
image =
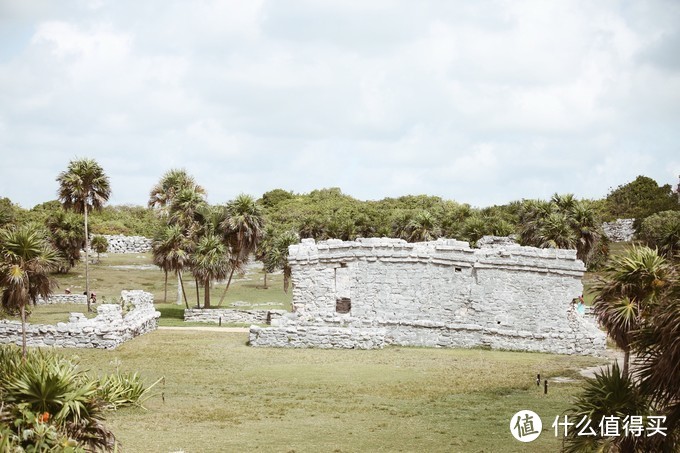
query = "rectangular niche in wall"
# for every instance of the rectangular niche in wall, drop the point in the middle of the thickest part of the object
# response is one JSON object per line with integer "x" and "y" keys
{"x": 343, "y": 305}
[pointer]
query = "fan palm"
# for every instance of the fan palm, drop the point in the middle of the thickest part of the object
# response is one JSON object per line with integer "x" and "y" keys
{"x": 26, "y": 262}
{"x": 586, "y": 225}
{"x": 172, "y": 252}
{"x": 210, "y": 262}
{"x": 423, "y": 227}
{"x": 610, "y": 393}
{"x": 164, "y": 193}
{"x": 83, "y": 187}
{"x": 68, "y": 236}
{"x": 628, "y": 287}
{"x": 243, "y": 228}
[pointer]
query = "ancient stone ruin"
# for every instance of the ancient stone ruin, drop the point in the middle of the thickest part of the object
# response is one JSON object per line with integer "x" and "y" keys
{"x": 375, "y": 292}
{"x": 128, "y": 244}
{"x": 620, "y": 230}
{"x": 113, "y": 325}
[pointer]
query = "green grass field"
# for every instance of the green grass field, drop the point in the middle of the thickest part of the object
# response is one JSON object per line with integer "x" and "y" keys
{"x": 117, "y": 272}
{"x": 221, "y": 395}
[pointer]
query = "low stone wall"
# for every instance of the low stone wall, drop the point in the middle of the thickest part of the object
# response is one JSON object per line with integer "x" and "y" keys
{"x": 113, "y": 325}
{"x": 293, "y": 331}
{"x": 63, "y": 299}
{"x": 128, "y": 244}
{"x": 621, "y": 230}
{"x": 231, "y": 316}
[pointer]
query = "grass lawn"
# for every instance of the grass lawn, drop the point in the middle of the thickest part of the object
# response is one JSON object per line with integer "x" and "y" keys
{"x": 221, "y": 395}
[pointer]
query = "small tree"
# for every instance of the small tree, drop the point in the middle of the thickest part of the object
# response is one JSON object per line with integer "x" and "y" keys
{"x": 662, "y": 230}
{"x": 26, "y": 260}
{"x": 99, "y": 244}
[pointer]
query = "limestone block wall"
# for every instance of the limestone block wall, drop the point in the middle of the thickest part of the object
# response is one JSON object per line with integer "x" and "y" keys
{"x": 128, "y": 244}
{"x": 440, "y": 293}
{"x": 113, "y": 325}
{"x": 63, "y": 299}
{"x": 620, "y": 230}
{"x": 231, "y": 316}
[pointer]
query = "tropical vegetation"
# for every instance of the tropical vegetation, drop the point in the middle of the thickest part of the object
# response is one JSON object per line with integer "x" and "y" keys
{"x": 84, "y": 187}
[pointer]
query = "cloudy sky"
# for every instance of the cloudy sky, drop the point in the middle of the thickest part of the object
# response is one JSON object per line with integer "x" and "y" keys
{"x": 478, "y": 101}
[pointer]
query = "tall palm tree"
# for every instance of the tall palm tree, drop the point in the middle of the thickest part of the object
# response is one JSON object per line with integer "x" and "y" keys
{"x": 243, "y": 228}
{"x": 628, "y": 288}
{"x": 163, "y": 194}
{"x": 276, "y": 255}
{"x": 26, "y": 260}
{"x": 82, "y": 187}
{"x": 210, "y": 262}
{"x": 172, "y": 253}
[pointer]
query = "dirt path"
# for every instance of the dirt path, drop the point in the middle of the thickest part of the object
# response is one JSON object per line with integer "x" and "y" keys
{"x": 612, "y": 356}
{"x": 209, "y": 329}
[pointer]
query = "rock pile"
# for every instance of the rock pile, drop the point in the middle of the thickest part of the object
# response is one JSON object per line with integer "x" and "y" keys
{"x": 128, "y": 244}
{"x": 621, "y": 230}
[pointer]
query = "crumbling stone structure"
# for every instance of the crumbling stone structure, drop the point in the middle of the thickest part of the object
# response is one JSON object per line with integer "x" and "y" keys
{"x": 375, "y": 292}
{"x": 128, "y": 244}
{"x": 620, "y": 230}
{"x": 113, "y": 325}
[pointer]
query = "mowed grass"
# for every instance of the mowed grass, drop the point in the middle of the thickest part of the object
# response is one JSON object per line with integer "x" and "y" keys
{"x": 221, "y": 395}
{"x": 117, "y": 272}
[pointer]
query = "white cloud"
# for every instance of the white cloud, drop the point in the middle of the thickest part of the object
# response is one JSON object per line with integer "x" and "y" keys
{"x": 483, "y": 102}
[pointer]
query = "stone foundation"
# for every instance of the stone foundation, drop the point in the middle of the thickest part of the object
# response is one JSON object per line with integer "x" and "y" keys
{"x": 113, "y": 325}
{"x": 375, "y": 292}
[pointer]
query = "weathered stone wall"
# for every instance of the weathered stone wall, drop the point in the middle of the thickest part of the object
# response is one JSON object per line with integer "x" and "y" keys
{"x": 63, "y": 299}
{"x": 113, "y": 325}
{"x": 621, "y": 230}
{"x": 440, "y": 293}
{"x": 231, "y": 316}
{"x": 128, "y": 244}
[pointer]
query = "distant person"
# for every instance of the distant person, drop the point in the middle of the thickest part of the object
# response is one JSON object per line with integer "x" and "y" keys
{"x": 93, "y": 297}
{"x": 581, "y": 306}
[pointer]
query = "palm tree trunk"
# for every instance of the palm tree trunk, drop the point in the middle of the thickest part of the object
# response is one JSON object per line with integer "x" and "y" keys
{"x": 23, "y": 331}
{"x": 626, "y": 362}
{"x": 198, "y": 297}
{"x": 179, "y": 290}
{"x": 165, "y": 293}
{"x": 87, "y": 259}
{"x": 206, "y": 296}
{"x": 227, "y": 288}
{"x": 265, "y": 279}
{"x": 181, "y": 283}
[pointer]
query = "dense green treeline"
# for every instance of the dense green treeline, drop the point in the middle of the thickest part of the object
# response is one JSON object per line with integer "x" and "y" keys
{"x": 562, "y": 221}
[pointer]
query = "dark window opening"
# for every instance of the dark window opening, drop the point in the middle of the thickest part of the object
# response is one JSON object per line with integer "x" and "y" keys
{"x": 458, "y": 269}
{"x": 343, "y": 305}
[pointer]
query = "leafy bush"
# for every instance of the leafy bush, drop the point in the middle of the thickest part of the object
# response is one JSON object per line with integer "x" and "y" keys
{"x": 48, "y": 404}
{"x": 662, "y": 231}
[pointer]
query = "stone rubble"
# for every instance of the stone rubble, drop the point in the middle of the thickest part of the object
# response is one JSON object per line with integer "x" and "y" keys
{"x": 621, "y": 230}
{"x": 437, "y": 294}
{"x": 128, "y": 244}
{"x": 113, "y": 325}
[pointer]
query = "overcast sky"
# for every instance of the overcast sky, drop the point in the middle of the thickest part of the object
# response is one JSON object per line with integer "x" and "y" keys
{"x": 478, "y": 101}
